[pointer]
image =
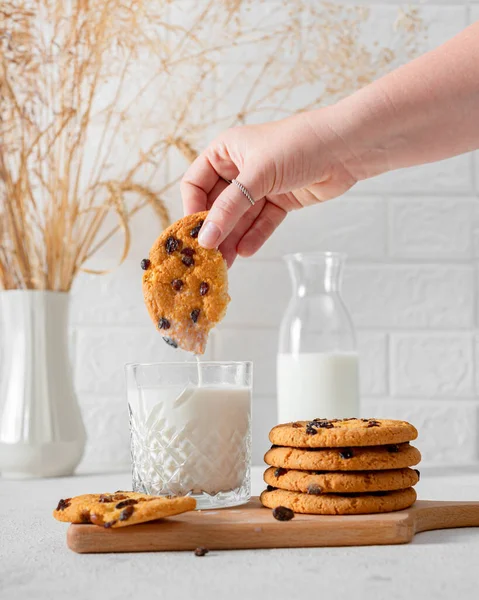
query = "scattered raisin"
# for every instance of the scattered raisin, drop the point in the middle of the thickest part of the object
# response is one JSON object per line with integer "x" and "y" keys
{"x": 204, "y": 288}
{"x": 201, "y": 551}
{"x": 314, "y": 489}
{"x": 280, "y": 471}
{"x": 195, "y": 231}
{"x": 346, "y": 453}
{"x": 163, "y": 323}
{"x": 172, "y": 245}
{"x": 392, "y": 448}
{"x": 281, "y": 513}
{"x": 177, "y": 284}
{"x": 364, "y": 420}
{"x": 145, "y": 264}
{"x": 64, "y": 504}
{"x": 270, "y": 488}
{"x": 188, "y": 251}
{"x": 195, "y": 314}
{"x": 373, "y": 423}
{"x": 170, "y": 342}
{"x": 311, "y": 428}
{"x": 128, "y": 502}
{"x": 126, "y": 513}
{"x": 188, "y": 261}
{"x": 418, "y": 474}
{"x": 296, "y": 425}
{"x": 109, "y": 524}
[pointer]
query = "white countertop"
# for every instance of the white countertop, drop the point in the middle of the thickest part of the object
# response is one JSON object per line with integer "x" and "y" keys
{"x": 35, "y": 562}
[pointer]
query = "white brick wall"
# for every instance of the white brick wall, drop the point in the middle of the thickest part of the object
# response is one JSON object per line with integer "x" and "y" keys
{"x": 411, "y": 283}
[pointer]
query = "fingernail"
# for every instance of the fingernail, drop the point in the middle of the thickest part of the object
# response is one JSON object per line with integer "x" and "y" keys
{"x": 209, "y": 235}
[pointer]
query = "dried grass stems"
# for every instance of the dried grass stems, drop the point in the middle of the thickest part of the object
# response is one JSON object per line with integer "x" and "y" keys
{"x": 99, "y": 98}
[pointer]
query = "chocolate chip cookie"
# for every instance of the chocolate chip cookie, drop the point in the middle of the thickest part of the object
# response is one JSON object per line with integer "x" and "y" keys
{"x": 120, "y": 509}
{"x": 185, "y": 286}
{"x": 327, "y": 482}
{"x": 340, "y": 504}
{"x": 329, "y": 433}
{"x": 356, "y": 458}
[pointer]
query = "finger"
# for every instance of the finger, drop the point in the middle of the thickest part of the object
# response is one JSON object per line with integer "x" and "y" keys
{"x": 228, "y": 209}
{"x": 218, "y": 188}
{"x": 266, "y": 223}
{"x": 197, "y": 183}
{"x": 228, "y": 247}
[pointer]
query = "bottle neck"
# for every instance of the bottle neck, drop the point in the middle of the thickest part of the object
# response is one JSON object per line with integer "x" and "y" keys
{"x": 316, "y": 275}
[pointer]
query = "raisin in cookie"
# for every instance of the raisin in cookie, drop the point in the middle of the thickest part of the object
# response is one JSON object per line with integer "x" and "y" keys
{"x": 340, "y": 504}
{"x": 356, "y": 458}
{"x": 329, "y": 433}
{"x": 120, "y": 509}
{"x": 185, "y": 286}
{"x": 330, "y": 482}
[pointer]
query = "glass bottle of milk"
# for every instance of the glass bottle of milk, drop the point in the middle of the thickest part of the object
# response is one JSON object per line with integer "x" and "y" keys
{"x": 317, "y": 364}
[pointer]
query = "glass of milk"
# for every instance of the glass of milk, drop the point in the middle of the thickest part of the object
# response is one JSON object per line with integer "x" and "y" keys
{"x": 317, "y": 363}
{"x": 190, "y": 427}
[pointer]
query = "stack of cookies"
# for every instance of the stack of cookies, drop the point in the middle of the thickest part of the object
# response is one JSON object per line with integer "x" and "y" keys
{"x": 341, "y": 466}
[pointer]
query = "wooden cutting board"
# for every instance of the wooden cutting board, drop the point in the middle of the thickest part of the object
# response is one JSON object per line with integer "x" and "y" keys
{"x": 253, "y": 526}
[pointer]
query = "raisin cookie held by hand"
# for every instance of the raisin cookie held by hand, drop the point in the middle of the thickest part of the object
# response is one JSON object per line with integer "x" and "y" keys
{"x": 185, "y": 286}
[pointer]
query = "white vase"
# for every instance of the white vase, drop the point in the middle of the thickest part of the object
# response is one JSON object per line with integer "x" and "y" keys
{"x": 41, "y": 428}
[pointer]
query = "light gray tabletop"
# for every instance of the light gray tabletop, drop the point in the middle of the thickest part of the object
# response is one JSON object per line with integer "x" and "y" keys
{"x": 36, "y": 564}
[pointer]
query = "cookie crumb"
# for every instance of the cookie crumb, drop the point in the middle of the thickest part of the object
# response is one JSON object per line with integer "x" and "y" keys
{"x": 281, "y": 513}
{"x": 201, "y": 551}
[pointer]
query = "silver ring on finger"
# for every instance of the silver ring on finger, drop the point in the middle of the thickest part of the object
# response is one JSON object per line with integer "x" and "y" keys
{"x": 242, "y": 188}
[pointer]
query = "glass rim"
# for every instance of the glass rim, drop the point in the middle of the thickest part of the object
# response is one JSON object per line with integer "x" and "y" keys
{"x": 315, "y": 254}
{"x": 208, "y": 363}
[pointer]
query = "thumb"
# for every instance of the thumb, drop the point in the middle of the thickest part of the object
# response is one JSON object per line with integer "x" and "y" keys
{"x": 229, "y": 207}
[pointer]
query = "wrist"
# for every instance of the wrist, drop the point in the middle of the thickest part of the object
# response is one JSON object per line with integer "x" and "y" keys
{"x": 355, "y": 133}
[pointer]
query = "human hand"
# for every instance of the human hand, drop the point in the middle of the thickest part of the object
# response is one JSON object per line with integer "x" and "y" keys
{"x": 285, "y": 165}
